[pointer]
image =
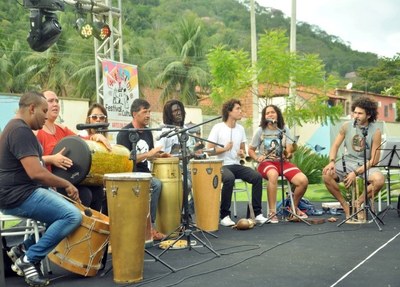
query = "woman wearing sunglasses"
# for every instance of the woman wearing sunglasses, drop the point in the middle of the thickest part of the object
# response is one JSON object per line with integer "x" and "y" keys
{"x": 96, "y": 114}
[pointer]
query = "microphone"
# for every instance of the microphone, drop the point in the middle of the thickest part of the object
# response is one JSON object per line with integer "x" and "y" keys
{"x": 355, "y": 123}
{"x": 164, "y": 134}
{"x": 271, "y": 121}
{"x": 80, "y": 127}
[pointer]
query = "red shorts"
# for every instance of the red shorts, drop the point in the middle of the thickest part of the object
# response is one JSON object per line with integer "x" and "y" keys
{"x": 289, "y": 169}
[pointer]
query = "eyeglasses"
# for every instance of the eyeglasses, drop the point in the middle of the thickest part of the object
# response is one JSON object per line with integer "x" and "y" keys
{"x": 100, "y": 117}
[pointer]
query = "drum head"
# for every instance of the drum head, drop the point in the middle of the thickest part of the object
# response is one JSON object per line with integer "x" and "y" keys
{"x": 79, "y": 152}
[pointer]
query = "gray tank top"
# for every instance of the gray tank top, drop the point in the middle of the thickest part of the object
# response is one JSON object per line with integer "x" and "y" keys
{"x": 354, "y": 142}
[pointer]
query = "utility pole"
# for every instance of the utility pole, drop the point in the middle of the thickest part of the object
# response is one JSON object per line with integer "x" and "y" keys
{"x": 111, "y": 48}
{"x": 292, "y": 83}
{"x": 254, "y": 90}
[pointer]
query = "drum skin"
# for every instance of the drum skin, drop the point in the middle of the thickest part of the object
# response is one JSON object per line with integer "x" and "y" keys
{"x": 81, "y": 251}
{"x": 206, "y": 185}
{"x": 169, "y": 207}
{"x": 128, "y": 196}
{"x": 91, "y": 160}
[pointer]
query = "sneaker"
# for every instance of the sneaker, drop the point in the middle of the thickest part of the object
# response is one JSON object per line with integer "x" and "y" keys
{"x": 260, "y": 219}
{"x": 272, "y": 218}
{"x": 16, "y": 252}
{"x": 33, "y": 274}
{"x": 227, "y": 221}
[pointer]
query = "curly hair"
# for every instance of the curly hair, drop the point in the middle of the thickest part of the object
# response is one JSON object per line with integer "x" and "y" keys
{"x": 228, "y": 107}
{"x": 369, "y": 105}
{"x": 280, "y": 120}
{"x": 168, "y": 117}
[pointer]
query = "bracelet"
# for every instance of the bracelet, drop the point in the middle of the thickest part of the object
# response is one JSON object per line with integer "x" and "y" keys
{"x": 332, "y": 160}
{"x": 355, "y": 172}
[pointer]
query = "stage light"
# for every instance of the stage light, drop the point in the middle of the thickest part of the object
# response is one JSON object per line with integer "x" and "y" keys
{"x": 44, "y": 27}
{"x": 84, "y": 28}
{"x": 54, "y": 5}
{"x": 45, "y": 33}
{"x": 101, "y": 31}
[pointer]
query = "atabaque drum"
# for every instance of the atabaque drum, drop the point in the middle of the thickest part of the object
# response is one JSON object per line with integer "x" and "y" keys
{"x": 169, "y": 207}
{"x": 81, "y": 251}
{"x": 91, "y": 160}
{"x": 206, "y": 185}
{"x": 128, "y": 207}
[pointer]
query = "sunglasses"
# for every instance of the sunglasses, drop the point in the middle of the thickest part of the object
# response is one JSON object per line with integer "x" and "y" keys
{"x": 100, "y": 117}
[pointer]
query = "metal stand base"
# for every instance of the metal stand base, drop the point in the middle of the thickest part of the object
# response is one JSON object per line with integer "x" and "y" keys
{"x": 187, "y": 230}
{"x": 387, "y": 209}
{"x": 367, "y": 210}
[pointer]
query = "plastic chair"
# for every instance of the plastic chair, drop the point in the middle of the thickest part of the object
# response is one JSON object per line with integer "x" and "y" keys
{"x": 31, "y": 227}
{"x": 237, "y": 189}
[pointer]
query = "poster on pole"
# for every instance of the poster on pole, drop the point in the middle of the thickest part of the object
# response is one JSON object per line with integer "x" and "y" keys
{"x": 120, "y": 88}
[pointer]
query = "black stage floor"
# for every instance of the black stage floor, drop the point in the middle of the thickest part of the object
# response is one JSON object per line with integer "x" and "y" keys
{"x": 284, "y": 254}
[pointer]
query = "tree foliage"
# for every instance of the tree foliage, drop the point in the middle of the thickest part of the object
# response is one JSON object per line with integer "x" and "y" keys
{"x": 147, "y": 29}
{"x": 232, "y": 75}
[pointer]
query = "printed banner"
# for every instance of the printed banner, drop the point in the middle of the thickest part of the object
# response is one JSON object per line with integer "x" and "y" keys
{"x": 120, "y": 88}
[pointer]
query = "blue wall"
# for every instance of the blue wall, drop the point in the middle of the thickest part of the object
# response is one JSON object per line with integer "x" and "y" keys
{"x": 8, "y": 108}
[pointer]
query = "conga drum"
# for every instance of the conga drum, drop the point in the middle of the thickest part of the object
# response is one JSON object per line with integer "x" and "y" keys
{"x": 91, "y": 160}
{"x": 206, "y": 185}
{"x": 128, "y": 206}
{"x": 169, "y": 207}
{"x": 81, "y": 251}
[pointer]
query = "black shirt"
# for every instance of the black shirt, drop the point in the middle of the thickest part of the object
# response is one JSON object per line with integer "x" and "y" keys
{"x": 144, "y": 144}
{"x": 16, "y": 142}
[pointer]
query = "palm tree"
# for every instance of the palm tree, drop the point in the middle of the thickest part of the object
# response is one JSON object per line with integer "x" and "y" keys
{"x": 180, "y": 74}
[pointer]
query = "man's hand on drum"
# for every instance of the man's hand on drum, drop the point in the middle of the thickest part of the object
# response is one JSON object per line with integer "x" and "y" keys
{"x": 102, "y": 139}
{"x": 59, "y": 160}
{"x": 154, "y": 153}
{"x": 72, "y": 192}
{"x": 349, "y": 179}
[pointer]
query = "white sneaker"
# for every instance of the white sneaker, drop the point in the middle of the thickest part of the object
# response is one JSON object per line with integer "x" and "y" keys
{"x": 260, "y": 219}
{"x": 227, "y": 221}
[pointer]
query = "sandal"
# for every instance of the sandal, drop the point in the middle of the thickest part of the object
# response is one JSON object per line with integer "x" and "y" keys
{"x": 272, "y": 218}
{"x": 301, "y": 214}
{"x": 298, "y": 212}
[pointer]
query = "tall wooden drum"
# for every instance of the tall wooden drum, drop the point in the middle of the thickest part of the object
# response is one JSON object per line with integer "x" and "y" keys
{"x": 128, "y": 206}
{"x": 169, "y": 207}
{"x": 206, "y": 184}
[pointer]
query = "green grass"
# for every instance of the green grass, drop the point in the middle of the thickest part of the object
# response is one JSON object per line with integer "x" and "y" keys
{"x": 11, "y": 223}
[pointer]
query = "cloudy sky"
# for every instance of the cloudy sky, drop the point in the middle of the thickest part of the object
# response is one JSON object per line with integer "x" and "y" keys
{"x": 366, "y": 25}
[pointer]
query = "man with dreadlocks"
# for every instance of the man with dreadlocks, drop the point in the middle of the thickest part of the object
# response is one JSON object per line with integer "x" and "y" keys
{"x": 174, "y": 115}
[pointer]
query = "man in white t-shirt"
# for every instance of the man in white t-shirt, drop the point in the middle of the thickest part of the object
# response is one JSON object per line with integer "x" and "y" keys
{"x": 232, "y": 136}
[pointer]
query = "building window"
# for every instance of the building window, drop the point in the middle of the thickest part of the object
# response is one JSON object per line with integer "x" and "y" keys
{"x": 386, "y": 111}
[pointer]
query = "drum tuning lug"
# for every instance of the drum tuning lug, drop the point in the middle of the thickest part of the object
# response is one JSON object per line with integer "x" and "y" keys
{"x": 114, "y": 190}
{"x": 136, "y": 190}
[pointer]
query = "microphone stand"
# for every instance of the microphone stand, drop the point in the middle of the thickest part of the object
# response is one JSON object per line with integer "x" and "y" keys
{"x": 389, "y": 165}
{"x": 291, "y": 210}
{"x": 367, "y": 207}
{"x": 186, "y": 228}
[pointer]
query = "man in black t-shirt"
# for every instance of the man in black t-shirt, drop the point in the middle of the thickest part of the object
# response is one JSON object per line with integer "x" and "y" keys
{"x": 22, "y": 192}
{"x": 140, "y": 111}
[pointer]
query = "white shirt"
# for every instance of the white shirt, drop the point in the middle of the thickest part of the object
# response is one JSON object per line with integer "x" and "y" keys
{"x": 222, "y": 134}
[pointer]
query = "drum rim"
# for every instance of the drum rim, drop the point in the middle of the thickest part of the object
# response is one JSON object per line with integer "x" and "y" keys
{"x": 84, "y": 169}
{"x": 125, "y": 176}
